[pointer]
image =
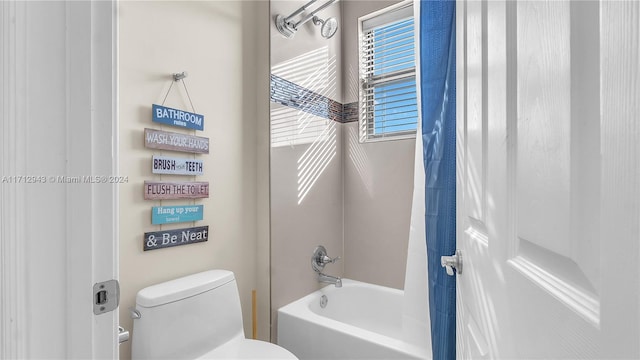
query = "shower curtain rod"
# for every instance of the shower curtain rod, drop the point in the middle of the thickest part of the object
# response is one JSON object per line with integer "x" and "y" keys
{"x": 303, "y": 8}
{"x": 308, "y": 17}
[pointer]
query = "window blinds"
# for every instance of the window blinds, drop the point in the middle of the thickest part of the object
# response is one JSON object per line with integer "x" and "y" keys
{"x": 388, "y": 97}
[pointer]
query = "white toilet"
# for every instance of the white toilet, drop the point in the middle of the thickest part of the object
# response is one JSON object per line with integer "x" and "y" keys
{"x": 196, "y": 317}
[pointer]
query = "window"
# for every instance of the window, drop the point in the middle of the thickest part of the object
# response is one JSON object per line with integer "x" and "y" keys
{"x": 388, "y": 103}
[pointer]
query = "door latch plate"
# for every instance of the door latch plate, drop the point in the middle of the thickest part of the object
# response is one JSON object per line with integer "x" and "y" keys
{"x": 106, "y": 296}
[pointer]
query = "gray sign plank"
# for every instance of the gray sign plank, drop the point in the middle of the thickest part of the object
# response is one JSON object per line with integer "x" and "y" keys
{"x": 169, "y": 238}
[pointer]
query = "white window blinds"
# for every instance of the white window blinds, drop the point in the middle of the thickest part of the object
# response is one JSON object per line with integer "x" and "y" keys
{"x": 387, "y": 70}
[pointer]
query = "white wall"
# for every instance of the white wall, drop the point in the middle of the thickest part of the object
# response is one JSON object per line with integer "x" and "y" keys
{"x": 224, "y": 48}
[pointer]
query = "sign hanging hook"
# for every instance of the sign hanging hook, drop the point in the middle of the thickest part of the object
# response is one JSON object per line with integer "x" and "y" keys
{"x": 178, "y": 77}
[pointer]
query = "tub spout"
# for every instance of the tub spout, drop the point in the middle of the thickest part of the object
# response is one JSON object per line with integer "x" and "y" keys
{"x": 328, "y": 279}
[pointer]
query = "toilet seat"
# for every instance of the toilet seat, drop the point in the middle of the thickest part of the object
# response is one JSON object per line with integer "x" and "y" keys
{"x": 241, "y": 348}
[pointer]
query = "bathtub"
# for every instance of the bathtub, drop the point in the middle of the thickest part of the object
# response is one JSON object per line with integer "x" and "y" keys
{"x": 359, "y": 321}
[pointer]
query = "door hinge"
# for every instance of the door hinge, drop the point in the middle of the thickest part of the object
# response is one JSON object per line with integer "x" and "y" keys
{"x": 106, "y": 296}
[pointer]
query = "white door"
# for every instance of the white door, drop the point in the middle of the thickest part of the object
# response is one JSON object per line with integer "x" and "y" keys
{"x": 548, "y": 160}
{"x": 58, "y": 218}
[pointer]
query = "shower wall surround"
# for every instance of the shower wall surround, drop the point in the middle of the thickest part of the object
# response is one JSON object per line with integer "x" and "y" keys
{"x": 306, "y": 155}
{"x": 327, "y": 188}
{"x": 378, "y": 180}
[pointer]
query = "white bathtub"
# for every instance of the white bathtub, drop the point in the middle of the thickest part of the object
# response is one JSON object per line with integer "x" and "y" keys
{"x": 360, "y": 321}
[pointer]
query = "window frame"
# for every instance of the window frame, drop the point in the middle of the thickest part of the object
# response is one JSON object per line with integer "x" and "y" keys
{"x": 365, "y": 119}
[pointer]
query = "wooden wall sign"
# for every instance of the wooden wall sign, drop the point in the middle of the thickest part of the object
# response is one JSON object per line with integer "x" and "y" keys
{"x": 170, "y": 238}
{"x": 159, "y": 190}
{"x": 175, "y": 214}
{"x": 174, "y": 117}
{"x": 164, "y": 140}
{"x": 176, "y": 166}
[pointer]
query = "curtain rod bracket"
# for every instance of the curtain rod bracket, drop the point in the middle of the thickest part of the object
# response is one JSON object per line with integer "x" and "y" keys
{"x": 288, "y": 28}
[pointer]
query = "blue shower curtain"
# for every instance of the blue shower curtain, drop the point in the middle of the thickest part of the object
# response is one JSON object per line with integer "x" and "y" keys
{"x": 438, "y": 97}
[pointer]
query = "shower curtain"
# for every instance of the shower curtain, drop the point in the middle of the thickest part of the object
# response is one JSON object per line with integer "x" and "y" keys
{"x": 437, "y": 80}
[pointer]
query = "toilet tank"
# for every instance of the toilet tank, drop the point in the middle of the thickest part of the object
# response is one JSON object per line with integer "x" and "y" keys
{"x": 187, "y": 317}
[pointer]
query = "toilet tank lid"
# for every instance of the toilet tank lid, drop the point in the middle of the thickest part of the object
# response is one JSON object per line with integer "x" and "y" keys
{"x": 182, "y": 288}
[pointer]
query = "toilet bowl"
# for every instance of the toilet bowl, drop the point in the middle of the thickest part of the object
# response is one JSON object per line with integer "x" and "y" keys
{"x": 195, "y": 317}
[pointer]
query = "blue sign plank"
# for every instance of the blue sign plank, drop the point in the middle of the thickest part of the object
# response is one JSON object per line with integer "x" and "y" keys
{"x": 176, "y": 214}
{"x": 174, "y": 117}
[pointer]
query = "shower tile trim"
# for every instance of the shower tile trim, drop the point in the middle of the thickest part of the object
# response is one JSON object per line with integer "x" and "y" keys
{"x": 289, "y": 94}
{"x": 350, "y": 112}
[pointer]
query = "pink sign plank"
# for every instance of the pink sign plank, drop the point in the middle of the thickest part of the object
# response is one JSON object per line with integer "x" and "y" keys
{"x": 160, "y": 190}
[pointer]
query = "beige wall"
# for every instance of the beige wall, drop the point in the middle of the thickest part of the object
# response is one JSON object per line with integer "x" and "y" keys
{"x": 224, "y": 48}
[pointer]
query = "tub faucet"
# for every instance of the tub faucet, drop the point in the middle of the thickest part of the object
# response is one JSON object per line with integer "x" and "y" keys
{"x": 328, "y": 279}
{"x": 318, "y": 260}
